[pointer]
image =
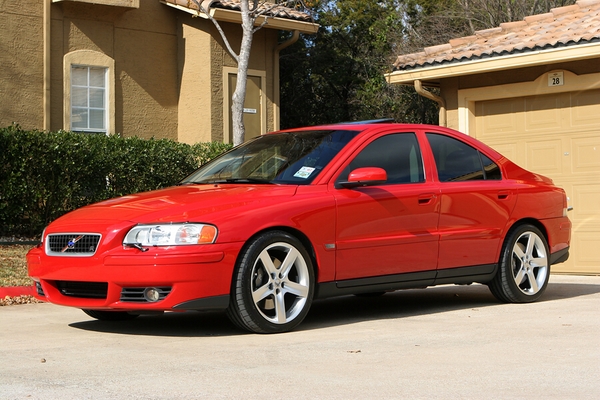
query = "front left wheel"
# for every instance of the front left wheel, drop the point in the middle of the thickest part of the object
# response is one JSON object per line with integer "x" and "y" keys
{"x": 273, "y": 284}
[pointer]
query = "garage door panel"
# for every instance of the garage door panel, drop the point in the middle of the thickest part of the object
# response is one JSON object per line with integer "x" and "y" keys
{"x": 508, "y": 150}
{"x": 586, "y": 154}
{"x": 543, "y": 113}
{"x": 584, "y": 109}
{"x": 499, "y": 116}
{"x": 544, "y": 157}
{"x": 586, "y": 201}
{"x": 584, "y": 253}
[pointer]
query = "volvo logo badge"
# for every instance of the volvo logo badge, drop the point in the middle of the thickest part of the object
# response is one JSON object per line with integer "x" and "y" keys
{"x": 71, "y": 244}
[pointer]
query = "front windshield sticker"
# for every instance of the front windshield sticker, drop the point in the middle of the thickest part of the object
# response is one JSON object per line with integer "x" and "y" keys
{"x": 304, "y": 172}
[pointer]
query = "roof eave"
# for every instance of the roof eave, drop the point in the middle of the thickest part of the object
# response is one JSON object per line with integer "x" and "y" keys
{"x": 500, "y": 63}
{"x": 233, "y": 16}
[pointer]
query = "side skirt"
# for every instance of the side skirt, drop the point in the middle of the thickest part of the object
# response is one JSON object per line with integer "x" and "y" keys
{"x": 412, "y": 280}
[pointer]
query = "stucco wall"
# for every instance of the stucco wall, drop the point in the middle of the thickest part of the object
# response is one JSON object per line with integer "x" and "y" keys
{"x": 143, "y": 43}
{"x": 21, "y": 63}
{"x": 168, "y": 66}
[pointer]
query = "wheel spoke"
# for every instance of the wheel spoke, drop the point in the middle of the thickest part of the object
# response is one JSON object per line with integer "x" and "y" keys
{"x": 296, "y": 289}
{"x": 530, "y": 245}
{"x": 532, "y": 282}
{"x": 288, "y": 263}
{"x": 280, "y": 312}
{"x": 267, "y": 262}
{"x": 261, "y": 293}
{"x": 518, "y": 251}
{"x": 520, "y": 277}
{"x": 541, "y": 262}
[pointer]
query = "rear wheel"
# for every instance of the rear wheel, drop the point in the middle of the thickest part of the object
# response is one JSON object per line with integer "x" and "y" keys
{"x": 273, "y": 284}
{"x": 110, "y": 315}
{"x": 524, "y": 267}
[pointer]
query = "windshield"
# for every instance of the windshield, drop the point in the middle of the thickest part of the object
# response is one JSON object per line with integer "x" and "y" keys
{"x": 287, "y": 157}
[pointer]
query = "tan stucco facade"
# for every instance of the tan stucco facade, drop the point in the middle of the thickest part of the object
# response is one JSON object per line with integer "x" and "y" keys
{"x": 165, "y": 66}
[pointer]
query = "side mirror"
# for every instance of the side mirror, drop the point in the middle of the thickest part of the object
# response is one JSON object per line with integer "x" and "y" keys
{"x": 368, "y": 176}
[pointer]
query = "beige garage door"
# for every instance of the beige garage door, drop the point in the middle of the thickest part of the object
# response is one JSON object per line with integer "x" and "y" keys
{"x": 558, "y": 136}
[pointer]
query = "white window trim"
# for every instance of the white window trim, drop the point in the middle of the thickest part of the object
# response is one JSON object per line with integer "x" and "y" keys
{"x": 92, "y": 59}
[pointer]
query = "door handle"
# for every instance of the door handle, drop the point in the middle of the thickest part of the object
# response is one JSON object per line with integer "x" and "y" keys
{"x": 426, "y": 198}
{"x": 503, "y": 194}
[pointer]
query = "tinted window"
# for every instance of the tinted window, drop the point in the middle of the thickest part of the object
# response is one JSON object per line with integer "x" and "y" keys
{"x": 457, "y": 161}
{"x": 288, "y": 157}
{"x": 398, "y": 154}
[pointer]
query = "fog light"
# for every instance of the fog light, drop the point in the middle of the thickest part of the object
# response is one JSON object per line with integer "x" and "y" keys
{"x": 151, "y": 294}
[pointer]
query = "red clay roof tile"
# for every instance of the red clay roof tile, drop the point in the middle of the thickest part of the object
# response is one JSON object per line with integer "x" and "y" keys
{"x": 563, "y": 26}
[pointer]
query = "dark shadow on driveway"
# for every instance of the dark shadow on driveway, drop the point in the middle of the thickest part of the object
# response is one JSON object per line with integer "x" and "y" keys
{"x": 333, "y": 312}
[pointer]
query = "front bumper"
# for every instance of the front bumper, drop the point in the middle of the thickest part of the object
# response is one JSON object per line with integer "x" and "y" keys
{"x": 117, "y": 278}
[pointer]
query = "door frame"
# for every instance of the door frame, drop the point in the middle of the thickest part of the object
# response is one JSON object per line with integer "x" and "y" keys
{"x": 227, "y": 71}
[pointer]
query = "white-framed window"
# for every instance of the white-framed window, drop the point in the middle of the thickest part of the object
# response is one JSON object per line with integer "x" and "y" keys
{"x": 89, "y": 92}
{"x": 89, "y": 98}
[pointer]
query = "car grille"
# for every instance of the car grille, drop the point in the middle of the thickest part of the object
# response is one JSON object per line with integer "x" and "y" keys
{"x": 88, "y": 290}
{"x": 72, "y": 244}
{"x": 136, "y": 295}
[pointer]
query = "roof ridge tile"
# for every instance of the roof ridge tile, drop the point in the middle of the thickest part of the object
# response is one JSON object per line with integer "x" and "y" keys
{"x": 565, "y": 9}
{"x": 532, "y": 19}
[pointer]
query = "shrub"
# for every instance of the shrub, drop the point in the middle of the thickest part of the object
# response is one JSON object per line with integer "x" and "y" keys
{"x": 43, "y": 175}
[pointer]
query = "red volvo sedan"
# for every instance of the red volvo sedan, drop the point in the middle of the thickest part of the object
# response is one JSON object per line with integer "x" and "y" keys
{"x": 296, "y": 215}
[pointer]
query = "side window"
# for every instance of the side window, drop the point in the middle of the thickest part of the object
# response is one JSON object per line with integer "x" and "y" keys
{"x": 457, "y": 161}
{"x": 398, "y": 154}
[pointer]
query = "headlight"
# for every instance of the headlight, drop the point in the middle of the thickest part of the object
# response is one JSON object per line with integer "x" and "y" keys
{"x": 171, "y": 235}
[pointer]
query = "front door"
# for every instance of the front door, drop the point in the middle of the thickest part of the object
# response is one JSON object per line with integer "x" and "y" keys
{"x": 252, "y": 107}
{"x": 390, "y": 228}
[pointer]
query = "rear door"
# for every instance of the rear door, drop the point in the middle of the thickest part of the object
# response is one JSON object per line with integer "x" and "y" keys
{"x": 475, "y": 202}
{"x": 389, "y": 228}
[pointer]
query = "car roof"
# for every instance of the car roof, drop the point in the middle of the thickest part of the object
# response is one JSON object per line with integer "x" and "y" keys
{"x": 365, "y": 125}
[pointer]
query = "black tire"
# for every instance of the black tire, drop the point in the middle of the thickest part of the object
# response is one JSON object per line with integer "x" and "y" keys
{"x": 110, "y": 315}
{"x": 524, "y": 267}
{"x": 268, "y": 296}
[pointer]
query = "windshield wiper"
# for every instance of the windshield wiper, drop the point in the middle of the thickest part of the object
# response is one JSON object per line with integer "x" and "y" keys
{"x": 233, "y": 180}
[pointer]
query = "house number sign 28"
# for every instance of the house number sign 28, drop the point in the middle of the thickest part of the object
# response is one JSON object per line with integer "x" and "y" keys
{"x": 556, "y": 79}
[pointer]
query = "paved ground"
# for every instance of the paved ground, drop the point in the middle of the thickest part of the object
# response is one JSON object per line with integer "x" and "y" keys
{"x": 446, "y": 342}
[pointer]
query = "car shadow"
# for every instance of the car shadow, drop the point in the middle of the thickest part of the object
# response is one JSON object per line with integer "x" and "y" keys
{"x": 333, "y": 312}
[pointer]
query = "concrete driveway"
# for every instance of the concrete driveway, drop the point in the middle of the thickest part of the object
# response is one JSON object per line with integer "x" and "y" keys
{"x": 445, "y": 342}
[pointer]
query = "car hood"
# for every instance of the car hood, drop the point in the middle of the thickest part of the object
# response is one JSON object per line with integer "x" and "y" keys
{"x": 188, "y": 203}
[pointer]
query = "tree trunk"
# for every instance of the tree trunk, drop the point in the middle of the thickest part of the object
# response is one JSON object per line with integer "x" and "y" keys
{"x": 239, "y": 96}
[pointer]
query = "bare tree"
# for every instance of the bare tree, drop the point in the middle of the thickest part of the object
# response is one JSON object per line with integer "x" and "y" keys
{"x": 251, "y": 11}
{"x": 482, "y": 14}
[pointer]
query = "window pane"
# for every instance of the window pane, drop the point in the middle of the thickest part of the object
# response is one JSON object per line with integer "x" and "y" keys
{"x": 97, "y": 77}
{"x": 79, "y": 76}
{"x": 97, "y": 98}
{"x": 79, "y": 97}
{"x": 455, "y": 160}
{"x": 398, "y": 154}
{"x": 79, "y": 118}
{"x": 492, "y": 171}
{"x": 97, "y": 119}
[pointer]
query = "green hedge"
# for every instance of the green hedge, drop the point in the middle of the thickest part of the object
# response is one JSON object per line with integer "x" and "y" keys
{"x": 43, "y": 175}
